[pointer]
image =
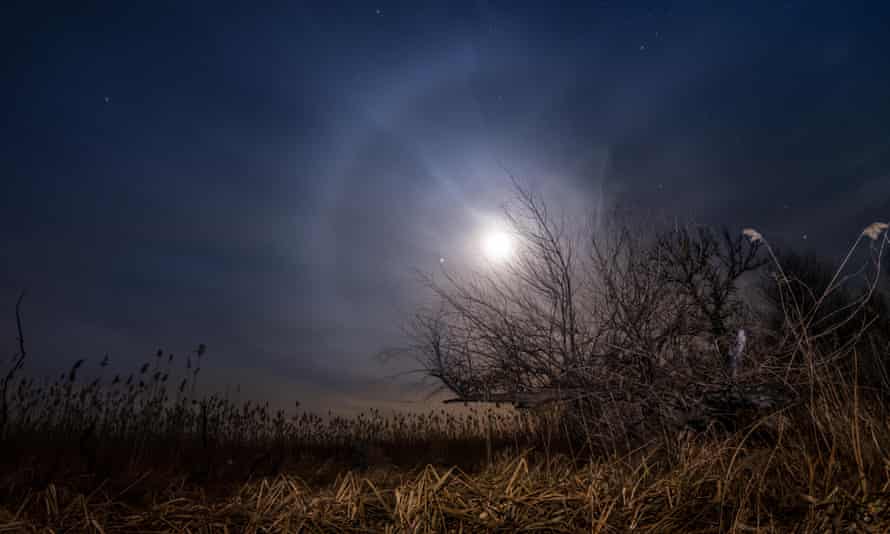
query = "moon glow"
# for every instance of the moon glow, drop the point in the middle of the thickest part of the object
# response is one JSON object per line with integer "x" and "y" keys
{"x": 497, "y": 246}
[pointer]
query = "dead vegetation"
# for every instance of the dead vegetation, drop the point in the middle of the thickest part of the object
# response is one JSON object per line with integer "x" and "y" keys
{"x": 649, "y": 412}
{"x": 696, "y": 484}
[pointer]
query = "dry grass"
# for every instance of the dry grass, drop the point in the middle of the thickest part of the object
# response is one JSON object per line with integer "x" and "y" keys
{"x": 702, "y": 485}
{"x": 132, "y": 455}
{"x": 814, "y": 467}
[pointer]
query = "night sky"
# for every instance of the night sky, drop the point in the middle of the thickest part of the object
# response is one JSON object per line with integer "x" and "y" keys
{"x": 266, "y": 180}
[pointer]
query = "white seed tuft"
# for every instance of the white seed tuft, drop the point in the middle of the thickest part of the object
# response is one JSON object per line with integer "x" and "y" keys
{"x": 874, "y": 230}
{"x": 752, "y": 234}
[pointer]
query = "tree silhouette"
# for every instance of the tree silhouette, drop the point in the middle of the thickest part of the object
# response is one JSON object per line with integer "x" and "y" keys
{"x": 615, "y": 314}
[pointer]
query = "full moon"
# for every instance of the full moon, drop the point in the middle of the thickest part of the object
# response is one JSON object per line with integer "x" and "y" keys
{"x": 497, "y": 246}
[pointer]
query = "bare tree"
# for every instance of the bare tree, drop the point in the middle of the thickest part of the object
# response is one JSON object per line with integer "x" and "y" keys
{"x": 514, "y": 329}
{"x": 664, "y": 294}
{"x": 635, "y": 311}
{"x": 705, "y": 270}
{"x": 604, "y": 319}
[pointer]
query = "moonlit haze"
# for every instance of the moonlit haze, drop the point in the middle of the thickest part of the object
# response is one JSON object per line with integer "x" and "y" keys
{"x": 497, "y": 245}
{"x": 270, "y": 178}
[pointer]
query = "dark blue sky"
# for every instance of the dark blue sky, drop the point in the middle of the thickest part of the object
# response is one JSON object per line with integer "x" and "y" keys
{"x": 265, "y": 178}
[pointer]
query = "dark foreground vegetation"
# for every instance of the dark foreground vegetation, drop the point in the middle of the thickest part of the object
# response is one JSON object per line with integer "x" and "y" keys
{"x": 674, "y": 405}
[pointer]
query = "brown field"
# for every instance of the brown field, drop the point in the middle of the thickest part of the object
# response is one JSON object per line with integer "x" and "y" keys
{"x": 123, "y": 456}
{"x": 147, "y": 453}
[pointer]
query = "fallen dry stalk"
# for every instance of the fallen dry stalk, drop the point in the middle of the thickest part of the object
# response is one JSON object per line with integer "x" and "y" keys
{"x": 718, "y": 486}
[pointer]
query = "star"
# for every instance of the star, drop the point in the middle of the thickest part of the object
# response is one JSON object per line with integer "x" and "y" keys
{"x": 107, "y": 99}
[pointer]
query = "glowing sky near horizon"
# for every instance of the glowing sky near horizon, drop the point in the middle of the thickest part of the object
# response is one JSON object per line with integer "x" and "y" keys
{"x": 266, "y": 179}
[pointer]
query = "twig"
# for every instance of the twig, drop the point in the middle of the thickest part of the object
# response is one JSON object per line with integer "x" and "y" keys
{"x": 18, "y": 364}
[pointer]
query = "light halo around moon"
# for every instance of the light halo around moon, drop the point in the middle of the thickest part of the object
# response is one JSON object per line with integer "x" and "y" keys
{"x": 497, "y": 245}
